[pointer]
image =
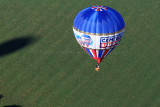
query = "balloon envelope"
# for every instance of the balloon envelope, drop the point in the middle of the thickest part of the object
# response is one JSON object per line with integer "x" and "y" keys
{"x": 98, "y": 29}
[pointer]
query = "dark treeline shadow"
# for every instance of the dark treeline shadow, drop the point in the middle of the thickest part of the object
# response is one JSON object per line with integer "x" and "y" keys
{"x": 13, "y": 106}
{"x": 16, "y": 44}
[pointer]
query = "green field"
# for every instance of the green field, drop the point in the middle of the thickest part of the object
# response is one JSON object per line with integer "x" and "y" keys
{"x": 42, "y": 65}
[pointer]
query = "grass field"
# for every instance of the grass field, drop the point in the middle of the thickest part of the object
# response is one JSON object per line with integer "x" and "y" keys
{"x": 42, "y": 65}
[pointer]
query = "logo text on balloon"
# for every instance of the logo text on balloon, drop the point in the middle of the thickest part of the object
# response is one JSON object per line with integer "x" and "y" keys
{"x": 84, "y": 40}
{"x": 106, "y": 42}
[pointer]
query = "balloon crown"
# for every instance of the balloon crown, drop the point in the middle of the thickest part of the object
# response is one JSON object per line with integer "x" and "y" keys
{"x": 99, "y": 8}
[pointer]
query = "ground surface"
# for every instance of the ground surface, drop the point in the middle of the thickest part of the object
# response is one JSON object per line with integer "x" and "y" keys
{"x": 42, "y": 65}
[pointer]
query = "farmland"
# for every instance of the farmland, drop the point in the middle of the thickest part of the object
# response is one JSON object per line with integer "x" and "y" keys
{"x": 42, "y": 65}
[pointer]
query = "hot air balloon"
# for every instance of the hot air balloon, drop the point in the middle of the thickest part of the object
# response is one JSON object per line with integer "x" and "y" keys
{"x": 98, "y": 30}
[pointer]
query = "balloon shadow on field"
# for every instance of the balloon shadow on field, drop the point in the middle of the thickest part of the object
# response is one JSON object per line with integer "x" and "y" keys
{"x": 13, "y": 106}
{"x": 1, "y": 96}
{"x": 16, "y": 44}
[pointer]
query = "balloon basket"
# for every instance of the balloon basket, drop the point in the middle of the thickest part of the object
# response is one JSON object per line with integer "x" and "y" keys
{"x": 97, "y": 68}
